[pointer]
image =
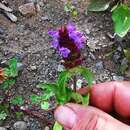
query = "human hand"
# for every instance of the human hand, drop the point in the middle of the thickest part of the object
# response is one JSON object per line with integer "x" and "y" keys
{"x": 105, "y": 98}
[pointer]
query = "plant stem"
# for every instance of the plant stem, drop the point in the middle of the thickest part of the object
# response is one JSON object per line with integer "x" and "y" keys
{"x": 74, "y": 80}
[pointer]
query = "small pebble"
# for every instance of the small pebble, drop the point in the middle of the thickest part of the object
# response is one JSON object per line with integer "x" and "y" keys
{"x": 2, "y": 128}
{"x": 1, "y": 31}
{"x": 20, "y": 125}
{"x": 87, "y": 31}
{"x": 99, "y": 65}
{"x": 33, "y": 67}
{"x": 79, "y": 83}
{"x": 28, "y": 9}
{"x": 116, "y": 78}
{"x": 46, "y": 128}
{"x": 61, "y": 68}
{"x": 1, "y": 42}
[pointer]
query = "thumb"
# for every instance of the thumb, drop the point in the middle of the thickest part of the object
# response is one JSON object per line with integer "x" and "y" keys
{"x": 77, "y": 117}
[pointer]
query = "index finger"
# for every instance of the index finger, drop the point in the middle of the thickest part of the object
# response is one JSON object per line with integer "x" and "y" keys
{"x": 111, "y": 96}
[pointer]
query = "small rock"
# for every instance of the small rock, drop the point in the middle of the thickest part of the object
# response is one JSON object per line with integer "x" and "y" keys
{"x": 20, "y": 66}
{"x": 87, "y": 31}
{"x": 1, "y": 42}
{"x": 116, "y": 78}
{"x": 119, "y": 49}
{"x": 61, "y": 68}
{"x": 34, "y": 124}
{"x": 124, "y": 61}
{"x": 33, "y": 67}
{"x": 11, "y": 16}
{"x": 79, "y": 83}
{"x": 20, "y": 56}
{"x": 46, "y": 128}
{"x": 110, "y": 35}
{"x": 99, "y": 65}
{"x": 45, "y": 18}
{"x": 117, "y": 57}
{"x": 5, "y": 8}
{"x": 92, "y": 56}
{"x": 29, "y": 9}
{"x": 41, "y": 3}
{"x": 1, "y": 31}
{"x": 20, "y": 90}
{"x": 2, "y": 128}
{"x": 20, "y": 125}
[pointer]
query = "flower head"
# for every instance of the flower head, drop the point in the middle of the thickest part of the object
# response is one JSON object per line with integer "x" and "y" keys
{"x": 68, "y": 42}
{"x": 1, "y": 75}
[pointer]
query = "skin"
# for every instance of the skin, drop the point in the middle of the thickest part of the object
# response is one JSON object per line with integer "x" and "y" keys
{"x": 105, "y": 98}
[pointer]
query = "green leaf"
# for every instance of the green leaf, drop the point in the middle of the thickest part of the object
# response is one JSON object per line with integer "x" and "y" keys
{"x": 4, "y": 107}
{"x": 57, "y": 126}
{"x": 48, "y": 87}
{"x": 44, "y": 105}
{"x": 123, "y": 68}
{"x": 127, "y": 54}
{"x": 88, "y": 75}
{"x": 62, "y": 91}
{"x": 69, "y": 7}
{"x": 121, "y": 19}
{"x": 19, "y": 114}
{"x": 12, "y": 70}
{"x": 74, "y": 13}
{"x": 63, "y": 79}
{"x": 6, "y": 84}
{"x": 99, "y": 5}
{"x": 46, "y": 95}
{"x": 77, "y": 97}
{"x": 3, "y": 115}
{"x": 7, "y": 72}
{"x": 35, "y": 98}
{"x": 18, "y": 100}
{"x": 86, "y": 99}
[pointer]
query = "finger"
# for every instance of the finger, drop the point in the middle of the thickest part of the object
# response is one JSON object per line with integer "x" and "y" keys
{"x": 65, "y": 116}
{"x": 86, "y": 118}
{"x": 112, "y": 96}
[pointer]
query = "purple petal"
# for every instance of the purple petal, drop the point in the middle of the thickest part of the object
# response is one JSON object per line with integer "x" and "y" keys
{"x": 78, "y": 34}
{"x": 72, "y": 35}
{"x": 75, "y": 34}
{"x": 79, "y": 45}
{"x": 64, "y": 52}
{"x": 55, "y": 43}
{"x": 80, "y": 42}
{"x": 54, "y": 34}
{"x": 71, "y": 27}
{"x": 78, "y": 38}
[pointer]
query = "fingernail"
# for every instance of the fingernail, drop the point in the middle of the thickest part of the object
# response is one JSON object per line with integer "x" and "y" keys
{"x": 65, "y": 116}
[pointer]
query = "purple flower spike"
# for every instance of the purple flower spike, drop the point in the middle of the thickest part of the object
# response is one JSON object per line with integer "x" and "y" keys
{"x": 64, "y": 52}
{"x": 54, "y": 34}
{"x": 68, "y": 42}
